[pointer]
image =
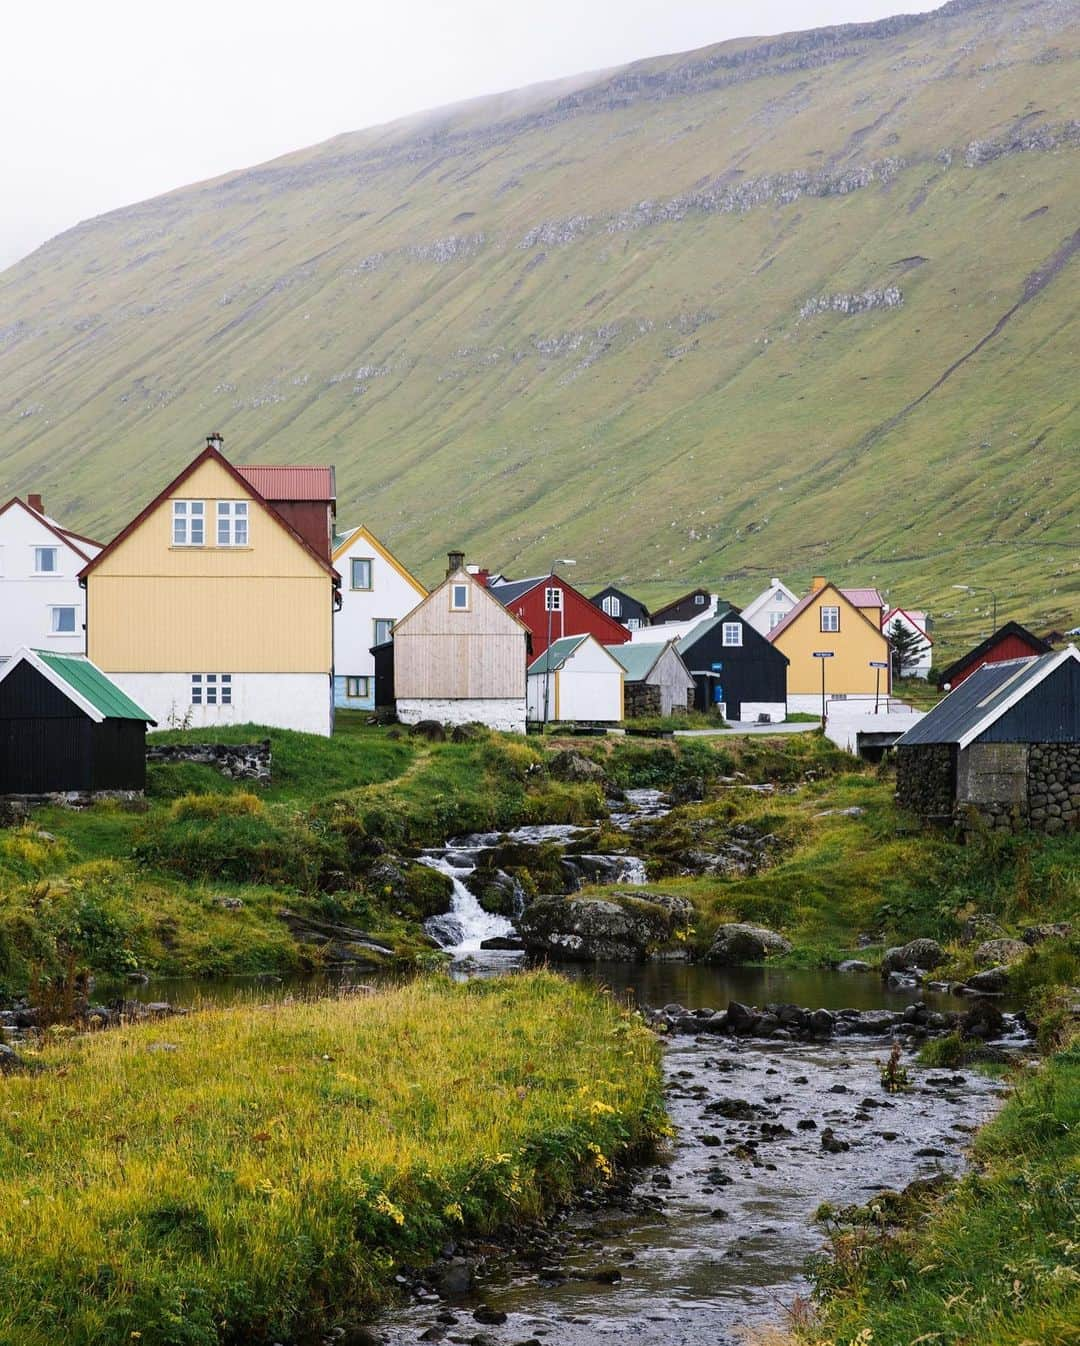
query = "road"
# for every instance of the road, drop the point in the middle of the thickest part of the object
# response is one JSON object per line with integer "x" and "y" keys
{"x": 799, "y": 727}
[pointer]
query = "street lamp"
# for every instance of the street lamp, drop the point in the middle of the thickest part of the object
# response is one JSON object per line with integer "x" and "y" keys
{"x": 982, "y": 589}
{"x": 548, "y": 603}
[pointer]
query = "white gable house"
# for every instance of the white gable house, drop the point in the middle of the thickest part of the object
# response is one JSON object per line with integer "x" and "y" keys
{"x": 770, "y": 607}
{"x": 576, "y": 678}
{"x": 41, "y": 604}
{"x": 376, "y": 592}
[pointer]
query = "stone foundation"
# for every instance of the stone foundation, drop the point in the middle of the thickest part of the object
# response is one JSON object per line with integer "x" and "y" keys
{"x": 925, "y": 780}
{"x": 641, "y": 698}
{"x": 237, "y": 761}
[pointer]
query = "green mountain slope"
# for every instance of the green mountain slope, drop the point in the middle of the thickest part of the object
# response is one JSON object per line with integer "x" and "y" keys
{"x": 779, "y": 306}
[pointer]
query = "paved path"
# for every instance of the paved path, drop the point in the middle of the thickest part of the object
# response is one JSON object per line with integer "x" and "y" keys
{"x": 799, "y": 727}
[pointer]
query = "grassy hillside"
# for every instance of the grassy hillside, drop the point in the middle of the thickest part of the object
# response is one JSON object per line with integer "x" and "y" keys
{"x": 523, "y": 323}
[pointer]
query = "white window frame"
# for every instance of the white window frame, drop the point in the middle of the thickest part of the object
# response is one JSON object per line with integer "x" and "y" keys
{"x": 54, "y": 628}
{"x": 355, "y": 561}
{"x": 731, "y": 636}
{"x": 362, "y": 685}
{"x": 185, "y": 515}
{"x": 775, "y": 618}
{"x": 699, "y": 600}
{"x": 39, "y": 569}
{"x": 553, "y": 597}
{"x": 459, "y": 591}
{"x": 612, "y": 605}
{"x": 376, "y": 622}
{"x": 826, "y": 622}
{"x": 633, "y": 623}
{"x": 233, "y": 523}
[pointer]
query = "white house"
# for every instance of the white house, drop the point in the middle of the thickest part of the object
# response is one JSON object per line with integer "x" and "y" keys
{"x": 41, "y": 603}
{"x": 576, "y": 678}
{"x": 770, "y": 607}
{"x": 376, "y": 592}
{"x": 919, "y": 624}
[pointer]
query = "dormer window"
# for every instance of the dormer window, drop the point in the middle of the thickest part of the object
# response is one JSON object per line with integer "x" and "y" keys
{"x": 459, "y": 598}
{"x": 612, "y": 606}
{"x": 188, "y": 523}
{"x": 232, "y": 523}
{"x": 699, "y": 600}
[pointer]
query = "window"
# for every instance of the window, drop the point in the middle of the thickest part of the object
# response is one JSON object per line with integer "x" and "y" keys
{"x": 360, "y": 572}
{"x": 188, "y": 523}
{"x": 459, "y": 597}
{"x": 699, "y": 600}
{"x": 232, "y": 523}
{"x": 830, "y": 619}
{"x": 775, "y": 618}
{"x": 63, "y": 621}
{"x": 612, "y": 606}
{"x": 633, "y": 624}
{"x": 211, "y": 689}
{"x": 553, "y": 600}
{"x": 357, "y": 689}
{"x": 732, "y": 634}
{"x": 383, "y": 626}
{"x": 46, "y": 560}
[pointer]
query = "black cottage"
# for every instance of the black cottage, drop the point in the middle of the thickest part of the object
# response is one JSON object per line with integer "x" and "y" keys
{"x": 735, "y": 666}
{"x": 65, "y": 726}
{"x": 627, "y": 610}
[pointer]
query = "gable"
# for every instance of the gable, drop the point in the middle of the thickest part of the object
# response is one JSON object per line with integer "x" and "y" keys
{"x": 360, "y": 542}
{"x": 708, "y": 641}
{"x": 21, "y": 525}
{"x": 808, "y": 608}
{"x": 1048, "y": 713}
{"x": 25, "y": 692}
{"x": 484, "y": 616}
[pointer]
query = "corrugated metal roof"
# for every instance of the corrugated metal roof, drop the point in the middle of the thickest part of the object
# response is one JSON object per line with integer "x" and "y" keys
{"x": 556, "y": 654}
{"x": 863, "y": 598}
{"x": 637, "y": 660}
{"x": 290, "y": 483}
{"x": 987, "y": 690}
{"x": 88, "y": 680}
{"x": 513, "y": 589}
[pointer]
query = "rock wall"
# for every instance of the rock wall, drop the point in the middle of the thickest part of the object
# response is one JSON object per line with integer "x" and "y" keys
{"x": 1054, "y": 786}
{"x": 641, "y": 698}
{"x": 238, "y": 761}
{"x": 925, "y": 780}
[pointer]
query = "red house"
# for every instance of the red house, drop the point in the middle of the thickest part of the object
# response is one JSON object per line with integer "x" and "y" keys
{"x": 571, "y": 614}
{"x": 1011, "y": 641}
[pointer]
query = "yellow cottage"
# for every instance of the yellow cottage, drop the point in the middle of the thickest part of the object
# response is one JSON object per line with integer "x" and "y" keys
{"x": 215, "y": 606}
{"x": 845, "y": 623}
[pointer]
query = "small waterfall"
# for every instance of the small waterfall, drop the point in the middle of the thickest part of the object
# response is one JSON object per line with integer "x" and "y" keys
{"x": 466, "y": 924}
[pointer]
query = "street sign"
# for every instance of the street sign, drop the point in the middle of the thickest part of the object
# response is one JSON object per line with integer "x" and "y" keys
{"x": 717, "y": 668}
{"x": 878, "y": 663}
{"x": 823, "y": 654}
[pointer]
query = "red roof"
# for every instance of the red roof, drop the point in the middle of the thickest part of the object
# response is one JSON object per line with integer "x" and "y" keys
{"x": 863, "y": 598}
{"x": 290, "y": 483}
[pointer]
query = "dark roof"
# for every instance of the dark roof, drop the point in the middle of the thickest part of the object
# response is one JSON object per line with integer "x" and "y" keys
{"x": 1038, "y": 646}
{"x": 969, "y": 710}
{"x": 722, "y": 618}
{"x": 514, "y": 589}
{"x": 658, "y": 613}
{"x": 598, "y": 598}
{"x": 82, "y": 682}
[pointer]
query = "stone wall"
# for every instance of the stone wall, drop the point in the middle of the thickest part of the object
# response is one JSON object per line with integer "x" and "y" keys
{"x": 238, "y": 761}
{"x": 1045, "y": 797}
{"x": 641, "y": 698}
{"x": 924, "y": 780}
{"x": 1054, "y": 786}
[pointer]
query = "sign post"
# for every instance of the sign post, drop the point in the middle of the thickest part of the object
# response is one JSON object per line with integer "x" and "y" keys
{"x": 877, "y": 665}
{"x": 823, "y": 655}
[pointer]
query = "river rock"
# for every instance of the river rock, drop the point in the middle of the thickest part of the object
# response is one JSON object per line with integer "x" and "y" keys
{"x": 1035, "y": 934}
{"x": 980, "y": 926}
{"x": 994, "y": 980}
{"x": 917, "y": 953}
{"x": 741, "y": 1019}
{"x": 1000, "y": 952}
{"x": 506, "y": 942}
{"x": 623, "y": 928}
{"x": 738, "y": 943}
{"x": 453, "y": 1277}
{"x": 983, "y": 1021}
{"x": 831, "y": 1143}
{"x": 572, "y": 766}
{"x": 853, "y": 965}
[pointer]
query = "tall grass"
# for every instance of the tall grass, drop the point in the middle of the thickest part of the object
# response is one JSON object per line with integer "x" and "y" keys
{"x": 242, "y": 1175}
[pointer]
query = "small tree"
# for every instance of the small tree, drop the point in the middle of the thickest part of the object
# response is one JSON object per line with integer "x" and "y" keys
{"x": 907, "y": 647}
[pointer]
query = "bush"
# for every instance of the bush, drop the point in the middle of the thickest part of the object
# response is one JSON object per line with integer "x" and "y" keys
{"x": 239, "y": 805}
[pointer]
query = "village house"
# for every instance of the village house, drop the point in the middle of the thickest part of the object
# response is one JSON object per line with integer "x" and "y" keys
{"x": 624, "y": 608}
{"x": 576, "y": 678}
{"x": 550, "y": 605}
{"x": 770, "y": 607}
{"x": 376, "y": 592}
{"x": 917, "y": 624}
{"x": 459, "y": 656}
{"x": 211, "y": 607}
{"x": 41, "y": 603}
{"x": 657, "y": 681}
{"x": 67, "y": 728}
{"x": 1011, "y": 641}
{"x": 690, "y": 607}
{"x": 1001, "y": 750}
{"x": 736, "y": 670}
{"x": 845, "y": 625}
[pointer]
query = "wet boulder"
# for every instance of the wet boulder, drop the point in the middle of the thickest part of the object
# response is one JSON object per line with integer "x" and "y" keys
{"x": 993, "y": 981}
{"x": 853, "y": 965}
{"x": 569, "y": 765}
{"x": 1000, "y": 952}
{"x": 741, "y": 1019}
{"x": 983, "y": 1021}
{"x": 917, "y": 953}
{"x": 618, "y": 928}
{"x": 737, "y": 943}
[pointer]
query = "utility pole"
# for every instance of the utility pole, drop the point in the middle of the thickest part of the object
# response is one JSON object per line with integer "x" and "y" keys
{"x": 548, "y": 603}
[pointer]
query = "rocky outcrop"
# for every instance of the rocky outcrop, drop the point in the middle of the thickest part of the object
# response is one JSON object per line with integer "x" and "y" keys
{"x": 738, "y": 943}
{"x": 237, "y": 761}
{"x": 572, "y": 766}
{"x": 891, "y": 297}
{"x": 620, "y": 928}
{"x": 999, "y": 952}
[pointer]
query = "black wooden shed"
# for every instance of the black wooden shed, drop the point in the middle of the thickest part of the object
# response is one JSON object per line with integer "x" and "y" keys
{"x": 65, "y": 726}
{"x": 735, "y": 666}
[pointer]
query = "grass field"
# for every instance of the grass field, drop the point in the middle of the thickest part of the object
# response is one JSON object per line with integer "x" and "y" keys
{"x": 260, "y": 1173}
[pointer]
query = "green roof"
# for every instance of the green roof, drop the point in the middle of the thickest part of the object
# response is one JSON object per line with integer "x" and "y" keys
{"x": 637, "y": 659}
{"x": 692, "y": 637}
{"x": 556, "y": 654}
{"x": 93, "y": 686}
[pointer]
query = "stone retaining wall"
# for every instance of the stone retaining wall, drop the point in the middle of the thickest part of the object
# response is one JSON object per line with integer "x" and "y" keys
{"x": 925, "y": 780}
{"x": 238, "y": 761}
{"x": 641, "y": 698}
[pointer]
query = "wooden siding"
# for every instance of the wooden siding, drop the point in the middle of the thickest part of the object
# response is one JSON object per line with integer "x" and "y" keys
{"x": 1009, "y": 647}
{"x": 475, "y": 654}
{"x": 1050, "y": 713}
{"x": 856, "y": 643}
{"x": 753, "y": 671}
{"x": 264, "y": 608}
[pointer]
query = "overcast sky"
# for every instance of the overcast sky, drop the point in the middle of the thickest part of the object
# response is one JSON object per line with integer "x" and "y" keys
{"x": 106, "y": 102}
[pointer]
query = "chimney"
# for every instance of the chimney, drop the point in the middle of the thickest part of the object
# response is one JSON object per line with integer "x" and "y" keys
{"x": 35, "y": 503}
{"x": 454, "y": 561}
{"x": 214, "y": 440}
{"x": 817, "y": 584}
{"x": 775, "y": 582}
{"x": 482, "y": 576}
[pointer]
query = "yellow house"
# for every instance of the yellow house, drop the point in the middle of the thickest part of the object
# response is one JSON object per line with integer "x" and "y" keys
{"x": 844, "y": 623}
{"x": 214, "y": 606}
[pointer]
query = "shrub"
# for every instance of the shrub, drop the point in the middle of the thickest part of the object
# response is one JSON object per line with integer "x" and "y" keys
{"x": 239, "y": 805}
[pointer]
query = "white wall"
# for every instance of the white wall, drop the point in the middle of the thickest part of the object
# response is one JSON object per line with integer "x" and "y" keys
{"x": 588, "y": 687}
{"x": 922, "y": 665}
{"x": 768, "y": 609}
{"x": 26, "y": 598}
{"x": 298, "y": 701}
{"x": 775, "y": 710}
{"x": 844, "y": 729}
{"x": 391, "y": 595}
{"x": 505, "y": 713}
